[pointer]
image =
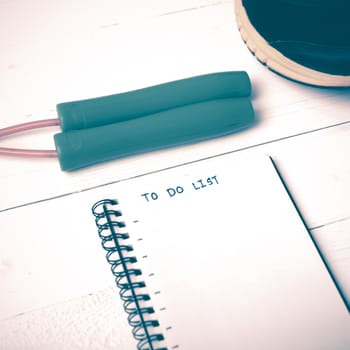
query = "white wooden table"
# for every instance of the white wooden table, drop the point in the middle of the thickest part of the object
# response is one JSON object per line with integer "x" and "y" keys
{"x": 53, "y": 52}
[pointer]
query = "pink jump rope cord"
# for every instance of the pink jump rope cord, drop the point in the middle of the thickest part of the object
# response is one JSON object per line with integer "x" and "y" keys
{"x": 25, "y": 127}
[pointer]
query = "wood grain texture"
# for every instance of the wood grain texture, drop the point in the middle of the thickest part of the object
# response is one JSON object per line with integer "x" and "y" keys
{"x": 53, "y": 52}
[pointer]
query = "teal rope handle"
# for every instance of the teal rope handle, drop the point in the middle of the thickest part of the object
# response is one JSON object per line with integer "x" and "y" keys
{"x": 178, "y": 126}
{"x": 112, "y": 109}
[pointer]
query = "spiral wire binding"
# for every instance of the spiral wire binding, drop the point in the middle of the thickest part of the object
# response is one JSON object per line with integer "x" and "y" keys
{"x": 127, "y": 277}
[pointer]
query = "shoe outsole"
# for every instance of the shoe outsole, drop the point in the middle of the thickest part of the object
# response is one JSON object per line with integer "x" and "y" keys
{"x": 279, "y": 63}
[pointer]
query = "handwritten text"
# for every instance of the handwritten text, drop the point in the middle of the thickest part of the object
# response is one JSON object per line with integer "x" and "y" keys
{"x": 171, "y": 192}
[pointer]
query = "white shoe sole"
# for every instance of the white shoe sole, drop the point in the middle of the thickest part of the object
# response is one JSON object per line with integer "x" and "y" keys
{"x": 278, "y": 62}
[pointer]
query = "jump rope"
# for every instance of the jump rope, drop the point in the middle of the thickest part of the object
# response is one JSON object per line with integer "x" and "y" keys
{"x": 161, "y": 116}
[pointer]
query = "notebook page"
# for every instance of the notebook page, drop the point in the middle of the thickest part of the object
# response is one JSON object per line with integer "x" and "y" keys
{"x": 204, "y": 279}
{"x": 228, "y": 262}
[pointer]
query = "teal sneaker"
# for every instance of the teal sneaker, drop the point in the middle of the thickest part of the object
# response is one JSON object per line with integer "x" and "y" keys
{"x": 303, "y": 40}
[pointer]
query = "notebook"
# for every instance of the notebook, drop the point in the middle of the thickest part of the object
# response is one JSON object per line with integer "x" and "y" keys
{"x": 220, "y": 259}
{"x": 214, "y": 255}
